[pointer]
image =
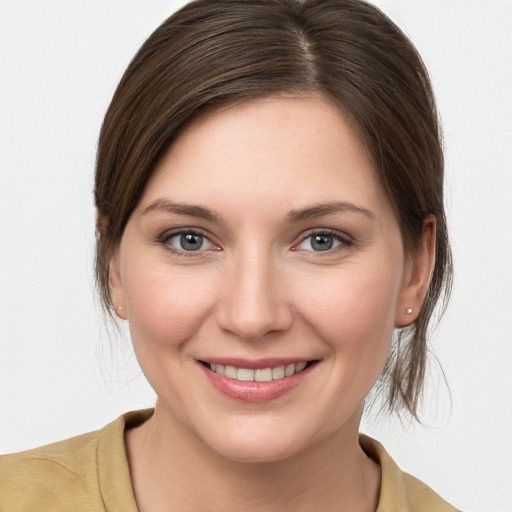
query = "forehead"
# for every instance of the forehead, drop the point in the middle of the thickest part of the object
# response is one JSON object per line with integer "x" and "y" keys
{"x": 291, "y": 150}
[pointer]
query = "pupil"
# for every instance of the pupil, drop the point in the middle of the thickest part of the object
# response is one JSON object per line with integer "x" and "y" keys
{"x": 191, "y": 242}
{"x": 322, "y": 242}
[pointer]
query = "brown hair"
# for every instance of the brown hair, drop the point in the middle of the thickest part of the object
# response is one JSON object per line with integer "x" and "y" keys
{"x": 213, "y": 53}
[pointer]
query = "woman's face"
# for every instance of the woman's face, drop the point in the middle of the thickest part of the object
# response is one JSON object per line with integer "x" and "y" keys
{"x": 262, "y": 275}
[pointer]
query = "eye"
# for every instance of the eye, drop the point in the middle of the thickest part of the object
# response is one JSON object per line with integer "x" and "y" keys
{"x": 322, "y": 241}
{"x": 188, "y": 241}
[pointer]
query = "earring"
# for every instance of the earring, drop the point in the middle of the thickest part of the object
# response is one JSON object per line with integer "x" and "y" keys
{"x": 408, "y": 311}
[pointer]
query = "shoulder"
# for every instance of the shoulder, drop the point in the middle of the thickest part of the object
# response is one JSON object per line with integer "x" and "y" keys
{"x": 401, "y": 492}
{"x": 88, "y": 472}
{"x": 421, "y": 497}
{"x": 54, "y": 477}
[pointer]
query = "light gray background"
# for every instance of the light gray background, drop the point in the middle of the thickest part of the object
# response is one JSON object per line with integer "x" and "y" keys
{"x": 59, "y": 64}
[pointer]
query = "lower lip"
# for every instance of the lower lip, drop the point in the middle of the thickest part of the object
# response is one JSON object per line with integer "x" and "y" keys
{"x": 255, "y": 392}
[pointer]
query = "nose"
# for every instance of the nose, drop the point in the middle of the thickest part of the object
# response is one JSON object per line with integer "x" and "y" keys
{"x": 254, "y": 298}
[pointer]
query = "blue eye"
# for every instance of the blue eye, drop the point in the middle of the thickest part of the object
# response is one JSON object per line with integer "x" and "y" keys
{"x": 189, "y": 242}
{"x": 320, "y": 242}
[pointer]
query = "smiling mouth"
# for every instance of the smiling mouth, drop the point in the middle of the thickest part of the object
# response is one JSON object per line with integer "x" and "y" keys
{"x": 259, "y": 375}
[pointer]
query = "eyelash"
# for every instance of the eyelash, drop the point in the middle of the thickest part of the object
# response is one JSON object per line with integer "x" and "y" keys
{"x": 344, "y": 242}
{"x": 166, "y": 238}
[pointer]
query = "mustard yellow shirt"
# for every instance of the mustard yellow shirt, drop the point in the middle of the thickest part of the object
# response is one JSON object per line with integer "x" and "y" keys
{"x": 90, "y": 473}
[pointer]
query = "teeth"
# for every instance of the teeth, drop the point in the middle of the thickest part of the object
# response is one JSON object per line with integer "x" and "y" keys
{"x": 300, "y": 366}
{"x": 263, "y": 375}
{"x": 278, "y": 373}
{"x": 245, "y": 374}
{"x": 230, "y": 372}
{"x": 289, "y": 370}
{"x": 260, "y": 375}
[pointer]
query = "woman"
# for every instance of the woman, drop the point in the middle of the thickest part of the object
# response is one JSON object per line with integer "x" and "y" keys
{"x": 269, "y": 193}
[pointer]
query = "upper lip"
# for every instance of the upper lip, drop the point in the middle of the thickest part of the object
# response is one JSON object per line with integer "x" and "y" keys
{"x": 256, "y": 364}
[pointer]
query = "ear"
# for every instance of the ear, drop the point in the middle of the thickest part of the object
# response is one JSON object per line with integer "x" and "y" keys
{"x": 418, "y": 271}
{"x": 116, "y": 288}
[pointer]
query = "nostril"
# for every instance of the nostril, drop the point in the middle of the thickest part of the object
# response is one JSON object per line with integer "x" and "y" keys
{"x": 254, "y": 319}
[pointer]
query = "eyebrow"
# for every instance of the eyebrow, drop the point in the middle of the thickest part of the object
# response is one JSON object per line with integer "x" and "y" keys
{"x": 310, "y": 212}
{"x": 190, "y": 210}
{"x": 319, "y": 210}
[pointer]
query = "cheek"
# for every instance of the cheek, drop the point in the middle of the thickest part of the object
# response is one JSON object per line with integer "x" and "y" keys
{"x": 165, "y": 308}
{"x": 354, "y": 311}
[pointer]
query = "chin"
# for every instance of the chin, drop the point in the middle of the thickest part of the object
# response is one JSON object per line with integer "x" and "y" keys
{"x": 252, "y": 442}
{"x": 256, "y": 451}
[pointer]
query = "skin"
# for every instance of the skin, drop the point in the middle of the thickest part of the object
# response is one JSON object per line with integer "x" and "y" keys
{"x": 257, "y": 289}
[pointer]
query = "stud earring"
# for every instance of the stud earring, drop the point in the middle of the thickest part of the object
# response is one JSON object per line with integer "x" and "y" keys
{"x": 408, "y": 311}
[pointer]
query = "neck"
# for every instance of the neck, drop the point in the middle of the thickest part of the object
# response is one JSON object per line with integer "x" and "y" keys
{"x": 173, "y": 470}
